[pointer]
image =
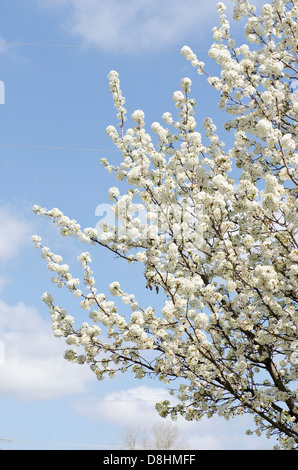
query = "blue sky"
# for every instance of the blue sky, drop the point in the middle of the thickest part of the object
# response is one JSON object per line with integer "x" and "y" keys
{"x": 57, "y": 107}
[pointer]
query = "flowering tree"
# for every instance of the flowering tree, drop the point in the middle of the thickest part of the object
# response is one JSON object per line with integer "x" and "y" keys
{"x": 223, "y": 250}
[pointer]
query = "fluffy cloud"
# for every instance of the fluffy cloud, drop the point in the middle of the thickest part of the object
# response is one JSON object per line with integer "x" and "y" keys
{"x": 32, "y": 365}
{"x": 135, "y": 408}
{"x": 136, "y": 23}
{"x": 31, "y": 358}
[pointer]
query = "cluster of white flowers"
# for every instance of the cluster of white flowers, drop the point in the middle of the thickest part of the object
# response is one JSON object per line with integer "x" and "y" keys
{"x": 138, "y": 116}
{"x": 191, "y": 56}
{"x": 118, "y": 98}
{"x": 224, "y": 252}
{"x": 113, "y": 193}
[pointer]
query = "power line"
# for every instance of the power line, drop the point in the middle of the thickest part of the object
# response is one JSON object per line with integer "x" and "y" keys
{"x": 86, "y": 46}
{"x": 90, "y": 400}
{"x": 95, "y": 400}
{"x": 57, "y": 148}
{"x": 71, "y": 444}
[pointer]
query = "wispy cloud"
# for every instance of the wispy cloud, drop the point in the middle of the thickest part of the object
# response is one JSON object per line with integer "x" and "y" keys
{"x": 136, "y": 23}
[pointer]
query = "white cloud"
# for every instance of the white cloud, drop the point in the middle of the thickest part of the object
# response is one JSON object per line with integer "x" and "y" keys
{"x": 3, "y": 282}
{"x": 14, "y": 232}
{"x": 136, "y": 23}
{"x": 31, "y": 358}
{"x": 135, "y": 408}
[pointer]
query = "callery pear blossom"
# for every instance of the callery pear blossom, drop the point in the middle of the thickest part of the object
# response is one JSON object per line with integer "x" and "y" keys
{"x": 221, "y": 246}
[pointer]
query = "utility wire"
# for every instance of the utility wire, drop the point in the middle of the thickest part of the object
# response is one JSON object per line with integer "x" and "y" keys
{"x": 57, "y": 148}
{"x": 86, "y": 46}
{"x": 90, "y": 400}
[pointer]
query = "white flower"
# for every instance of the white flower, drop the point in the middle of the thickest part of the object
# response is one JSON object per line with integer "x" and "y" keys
{"x": 185, "y": 84}
{"x": 178, "y": 96}
{"x": 187, "y": 52}
{"x": 264, "y": 127}
{"x": 248, "y": 241}
{"x": 47, "y": 298}
{"x": 37, "y": 240}
{"x": 231, "y": 286}
{"x": 72, "y": 283}
{"x": 115, "y": 288}
{"x": 138, "y": 115}
{"x": 141, "y": 256}
{"x": 167, "y": 117}
{"x": 113, "y": 75}
{"x": 91, "y": 232}
{"x": 112, "y": 132}
{"x": 201, "y": 321}
{"x": 84, "y": 258}
{"x": 221, "y": 8}
{"x": 57, "y": 259}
